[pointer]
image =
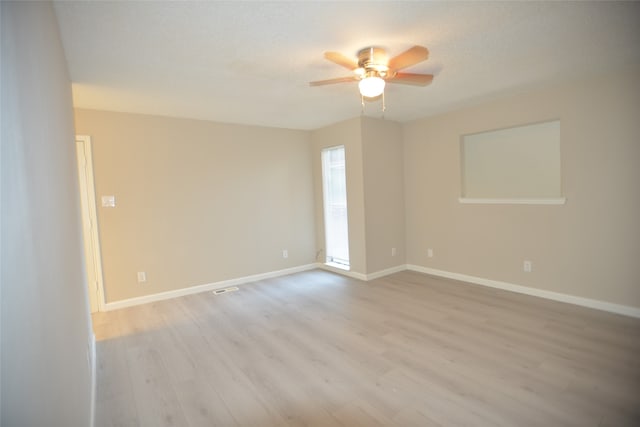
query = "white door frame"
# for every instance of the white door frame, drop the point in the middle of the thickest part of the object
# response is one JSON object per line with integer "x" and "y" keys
{"x": 91, "y": 238}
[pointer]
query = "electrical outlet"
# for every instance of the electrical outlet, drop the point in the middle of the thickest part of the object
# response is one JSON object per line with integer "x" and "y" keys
{"x": 393, "y": 251}
{"x": 527, "y": 266}
{"x": 430, "y": 253}
{"x": 285, "y": 253}
{"x": 142, "y": 277}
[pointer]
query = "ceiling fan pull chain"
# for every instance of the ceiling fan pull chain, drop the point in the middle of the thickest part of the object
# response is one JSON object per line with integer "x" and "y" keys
{"x": 362, "y": 102}
{"x": 384, "y": 107}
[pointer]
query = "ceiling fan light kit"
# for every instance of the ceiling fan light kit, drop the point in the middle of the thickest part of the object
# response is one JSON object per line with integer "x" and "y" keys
{"x": 373, "y": 70}
{"x": 371, "y": 86}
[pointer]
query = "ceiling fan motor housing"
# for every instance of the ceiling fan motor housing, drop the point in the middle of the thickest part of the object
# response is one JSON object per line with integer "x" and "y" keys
{"x": 372, "y": 61}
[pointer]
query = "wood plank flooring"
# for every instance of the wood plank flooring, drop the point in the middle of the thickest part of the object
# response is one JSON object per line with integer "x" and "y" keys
{"x": 319, "y": 349}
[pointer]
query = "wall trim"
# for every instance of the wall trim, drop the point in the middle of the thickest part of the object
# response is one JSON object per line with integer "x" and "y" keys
{"x": 386, "y": 272}
{"x": 362, "y": 276}
{"x": 90, "y": 234}
{"x": 348, "y": 273}
{"x": 526, "y": 290}
{"x": 115, "y": 305}
{"x": 541, "y": 293}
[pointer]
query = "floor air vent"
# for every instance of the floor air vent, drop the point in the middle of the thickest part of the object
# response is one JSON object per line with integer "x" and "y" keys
{"x": 225, "y": 290}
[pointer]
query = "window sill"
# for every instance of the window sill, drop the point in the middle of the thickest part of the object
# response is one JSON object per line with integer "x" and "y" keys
{"x": 541, "y": 201}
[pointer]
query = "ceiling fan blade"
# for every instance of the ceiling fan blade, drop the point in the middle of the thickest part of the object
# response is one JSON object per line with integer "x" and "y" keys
{"x": 412, "y": 79}
{"x": 332, "y": 81}
{"x": 340, "y": 59}
{"x": 408, "y": 58}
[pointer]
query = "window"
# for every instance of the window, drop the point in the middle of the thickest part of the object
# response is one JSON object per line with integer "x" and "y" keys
{"x": 334, "y": 191}
{"x": 514, "y": 165}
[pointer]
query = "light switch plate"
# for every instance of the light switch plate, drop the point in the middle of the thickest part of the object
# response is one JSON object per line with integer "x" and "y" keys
{"x": 108, "y": 201}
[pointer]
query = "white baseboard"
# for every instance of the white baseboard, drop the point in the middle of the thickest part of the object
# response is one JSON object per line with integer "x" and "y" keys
{"x": 362, "y": 276}
{"x": 205, "y": 287}
{"x": 385, "y": 272}
{"x": 94, "y": 382}
{"x": 342, "y": 271}
{"x": 555, "y": 296}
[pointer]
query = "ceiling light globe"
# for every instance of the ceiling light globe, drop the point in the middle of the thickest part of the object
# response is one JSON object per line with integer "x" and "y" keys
{"x": 370, "y": 87}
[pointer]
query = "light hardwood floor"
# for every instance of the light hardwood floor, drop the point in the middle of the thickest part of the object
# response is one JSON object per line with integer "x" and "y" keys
{"x": 319, "y": 349}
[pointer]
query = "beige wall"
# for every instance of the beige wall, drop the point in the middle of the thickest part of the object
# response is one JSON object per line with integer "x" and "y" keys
{"x": 197, "y": 202}
{"x": 46, "y": 327}
{"x": 375, "y": 197}
{"x": 403, "y": 184}
{"x": 588, "y": 247}
{"x": 383, "y": 193}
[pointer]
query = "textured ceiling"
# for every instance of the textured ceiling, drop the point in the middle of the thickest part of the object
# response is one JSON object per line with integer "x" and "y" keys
{"x": 250, "y": 62}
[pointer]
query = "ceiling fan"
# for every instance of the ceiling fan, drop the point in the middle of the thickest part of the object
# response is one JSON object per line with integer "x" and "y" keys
{"x": 373, "y": 69}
